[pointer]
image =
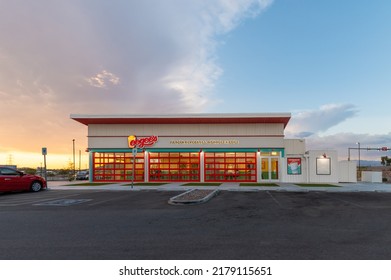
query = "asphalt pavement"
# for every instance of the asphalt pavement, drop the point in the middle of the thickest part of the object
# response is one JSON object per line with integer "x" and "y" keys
{"x": 284, "y": 187}
{"x": 69, "y": 223}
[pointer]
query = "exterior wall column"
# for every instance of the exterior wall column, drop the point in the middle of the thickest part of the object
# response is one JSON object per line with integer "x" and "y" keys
{"x": 91, "y": 167}
{"x": 202, "y": 166}
{"x": 259, "y": 165}
{"x": 282, "y": 169}
{"x": 146, "y": 166}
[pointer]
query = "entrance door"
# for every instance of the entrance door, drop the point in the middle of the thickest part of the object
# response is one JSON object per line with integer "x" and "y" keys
{"x": 270, "y": 169}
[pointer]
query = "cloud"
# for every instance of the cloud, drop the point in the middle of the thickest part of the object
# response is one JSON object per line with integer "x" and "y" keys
{"x": 164, "y": 51}
{"x": 62, "y": 57}
{"x": 343, "y": 141}
{"x": 310, "y": 122}
{"x": 103, "y": 79}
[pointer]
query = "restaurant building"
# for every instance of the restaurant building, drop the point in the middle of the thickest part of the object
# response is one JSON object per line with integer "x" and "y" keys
{"x": 201, "y": 148}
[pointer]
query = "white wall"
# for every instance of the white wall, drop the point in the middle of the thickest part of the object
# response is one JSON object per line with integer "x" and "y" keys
{"x": 317, "y": 167}
{"x": 372, "y": 176}
{"x": 347, "y": 171}
{"x": 185, "y": 136}
{"x": 294, "y": 178}
{"x": 251, "y": 129}
{"x": 190, "y": 142}
{"x": 294, "y": 147}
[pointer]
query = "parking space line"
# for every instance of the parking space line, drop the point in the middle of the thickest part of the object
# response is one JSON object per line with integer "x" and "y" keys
{"x": 32, "y": 201}
{"x": 104, "y": 201}
{"x": 274, "y": 199}
{"x": 26, "y": 197}
{"x": 63, "y": 202}
{"x": 345, "y": 201}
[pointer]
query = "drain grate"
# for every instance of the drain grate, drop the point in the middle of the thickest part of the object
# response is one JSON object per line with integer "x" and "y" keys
{"x": 62, "y": 202}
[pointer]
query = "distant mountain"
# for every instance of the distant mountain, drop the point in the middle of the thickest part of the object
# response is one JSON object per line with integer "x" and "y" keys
{"x": 370, "y": 163}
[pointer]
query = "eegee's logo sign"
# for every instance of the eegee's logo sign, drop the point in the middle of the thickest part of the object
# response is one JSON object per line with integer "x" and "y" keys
{"x": 134, "y": 142}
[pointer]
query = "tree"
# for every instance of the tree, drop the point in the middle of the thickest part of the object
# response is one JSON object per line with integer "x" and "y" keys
{"x": 28, "y": 170}
{"x": 385, "y": 161}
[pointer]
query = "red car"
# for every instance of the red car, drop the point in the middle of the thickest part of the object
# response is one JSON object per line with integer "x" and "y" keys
{"x": 14, "y": 180}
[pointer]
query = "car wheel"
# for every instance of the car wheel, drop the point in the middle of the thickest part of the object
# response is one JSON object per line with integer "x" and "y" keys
{"x": 36, "y": 186}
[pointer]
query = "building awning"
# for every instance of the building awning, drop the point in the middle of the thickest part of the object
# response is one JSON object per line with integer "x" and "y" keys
{"x": 282, "y": 118}
{"x": 162, "y": 150}
{"x": 230, "y": 150}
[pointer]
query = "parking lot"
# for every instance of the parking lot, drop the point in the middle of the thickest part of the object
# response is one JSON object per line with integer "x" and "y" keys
{"x": 107, "y": 224}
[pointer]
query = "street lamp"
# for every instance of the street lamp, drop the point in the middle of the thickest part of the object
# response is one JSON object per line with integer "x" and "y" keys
{"x": 74, "y": 161}
{"x": 359, "y": 160}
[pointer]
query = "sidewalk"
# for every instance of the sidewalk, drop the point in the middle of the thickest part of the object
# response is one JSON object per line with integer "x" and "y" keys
{"x": 283, "y": 187}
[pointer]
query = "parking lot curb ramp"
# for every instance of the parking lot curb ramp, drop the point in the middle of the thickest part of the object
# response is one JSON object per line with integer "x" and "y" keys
{"x": 194, "y": 196}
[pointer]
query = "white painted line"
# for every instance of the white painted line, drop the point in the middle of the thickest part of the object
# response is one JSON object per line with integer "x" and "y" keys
{"x": 32, "y": 201}
{"x": 104, "y": 201}
{"x": 275, "y": 200}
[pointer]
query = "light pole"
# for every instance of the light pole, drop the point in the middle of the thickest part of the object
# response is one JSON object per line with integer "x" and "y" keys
{"x": 359, "y": 159}
{"x": 74, "y": 161}
{"x": 359, "y": 155}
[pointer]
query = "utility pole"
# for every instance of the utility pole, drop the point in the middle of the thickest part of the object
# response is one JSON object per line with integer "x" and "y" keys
{"x": 74, "y": 161}
{"x": 9, "y": 160}
{"x": 359, "y": 157}
{"x": 44, "y": 153}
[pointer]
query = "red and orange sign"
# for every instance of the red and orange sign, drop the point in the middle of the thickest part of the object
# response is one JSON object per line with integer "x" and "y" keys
{"x": 134, "y": 142}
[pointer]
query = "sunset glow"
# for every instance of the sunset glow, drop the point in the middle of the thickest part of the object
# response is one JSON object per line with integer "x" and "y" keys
{"x": 326, "y": 64}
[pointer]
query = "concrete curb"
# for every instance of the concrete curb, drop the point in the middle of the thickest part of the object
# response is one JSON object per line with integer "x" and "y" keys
{"x": 282, "y": 187}
{"x": 178, "y": 199}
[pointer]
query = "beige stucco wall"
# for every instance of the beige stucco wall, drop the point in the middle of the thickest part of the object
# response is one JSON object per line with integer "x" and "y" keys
{"x": 294, "y": 147}
{"x": 189, "y": 135}
{"x": 185, "y": 129}
{"x": 191, "y": 142}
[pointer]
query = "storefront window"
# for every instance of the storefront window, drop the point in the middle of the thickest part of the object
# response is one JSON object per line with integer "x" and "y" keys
{"x": 117, "y": 167}
{"x": 174, "y": 167}
{"x": 271, "y": 153}
{"x": 238, "y": 167}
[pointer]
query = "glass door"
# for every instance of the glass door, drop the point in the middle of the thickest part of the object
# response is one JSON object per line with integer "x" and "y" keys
{"x": 274, "y": 174}
{"x": 265, "y": 174}
{"x": 270, "y": 168}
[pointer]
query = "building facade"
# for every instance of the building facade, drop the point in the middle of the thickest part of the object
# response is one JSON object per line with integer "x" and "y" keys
{"x": 200, "y": 148}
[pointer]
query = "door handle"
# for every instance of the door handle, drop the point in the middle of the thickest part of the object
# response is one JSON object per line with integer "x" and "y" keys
{"x": 7, "y": 179}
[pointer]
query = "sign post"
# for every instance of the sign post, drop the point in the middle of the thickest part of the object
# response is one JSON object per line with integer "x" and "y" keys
{"x": 44, "y": 153}
{"x": 139, "y": 143}
{"x": 134, "y": 152}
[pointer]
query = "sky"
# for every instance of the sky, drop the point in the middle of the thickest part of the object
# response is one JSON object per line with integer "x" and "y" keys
{"x": 326, "y": 62}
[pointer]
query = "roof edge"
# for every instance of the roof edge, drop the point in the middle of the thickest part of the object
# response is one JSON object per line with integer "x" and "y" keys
{"x": 184, "y": 118}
